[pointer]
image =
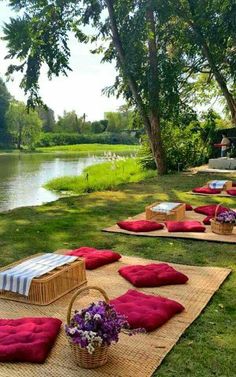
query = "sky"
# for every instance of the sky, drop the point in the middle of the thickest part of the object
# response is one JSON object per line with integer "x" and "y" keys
{"x": 81, "y": 90}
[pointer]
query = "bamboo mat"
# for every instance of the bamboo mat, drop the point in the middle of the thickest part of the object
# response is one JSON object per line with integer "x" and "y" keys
{"x": 138, "y": 355}
{"x": 221, "y": 195}
{"x": 189, "y": 215}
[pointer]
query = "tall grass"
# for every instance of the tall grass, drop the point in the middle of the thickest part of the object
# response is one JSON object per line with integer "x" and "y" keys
{"x": 103, "y": 176}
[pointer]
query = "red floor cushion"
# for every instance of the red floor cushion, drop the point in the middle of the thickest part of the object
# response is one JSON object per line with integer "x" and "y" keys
{"x": 140, "y": 225}
{"x": 185, "y": 226}
{"x": 152, "y": 275}
{"x": 206, "y": 190}
{"x": 210, "y": 210}
{"x": 95, "y": 258}
{"x": 207, "y": 220}
{"x": 231, "y": 192}
{"x": 188, "y": 207}
{"x": 27, "y": 339}
{"x": 146, "y": 311}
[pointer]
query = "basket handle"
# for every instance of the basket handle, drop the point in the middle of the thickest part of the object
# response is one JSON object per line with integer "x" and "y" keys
{"x": 216, "y": 211}
{"x": 76, "y": 294}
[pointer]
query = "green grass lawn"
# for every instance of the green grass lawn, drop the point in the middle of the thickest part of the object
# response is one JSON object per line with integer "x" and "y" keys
{"x": 208, "y": 347}
{"x": 90, "y": 148}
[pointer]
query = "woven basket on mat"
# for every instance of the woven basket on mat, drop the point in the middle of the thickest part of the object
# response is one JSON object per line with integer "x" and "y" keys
{"x": 221, "y": 228}
{"x": 81, "y": 355}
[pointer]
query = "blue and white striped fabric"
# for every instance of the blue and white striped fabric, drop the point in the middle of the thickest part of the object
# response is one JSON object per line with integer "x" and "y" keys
{"x": 165, "y": 207}
{"x": 18, "y": 279}
{"x": 217, "y": 184}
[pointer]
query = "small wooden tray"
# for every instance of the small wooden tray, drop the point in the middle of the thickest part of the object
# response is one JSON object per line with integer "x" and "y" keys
{"x": 177, "y": 214}
{"x": 51, "y": 286}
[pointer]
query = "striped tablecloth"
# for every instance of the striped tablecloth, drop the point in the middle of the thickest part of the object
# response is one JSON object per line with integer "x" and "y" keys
{"x": 18, "y": 279}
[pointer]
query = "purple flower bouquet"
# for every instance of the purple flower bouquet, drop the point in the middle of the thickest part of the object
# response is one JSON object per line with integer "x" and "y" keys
{"x": 227, "y": 217}
{"x": 97, "y": 325}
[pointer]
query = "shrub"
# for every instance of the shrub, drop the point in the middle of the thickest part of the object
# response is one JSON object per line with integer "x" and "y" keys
{"x": 52, "y": 139}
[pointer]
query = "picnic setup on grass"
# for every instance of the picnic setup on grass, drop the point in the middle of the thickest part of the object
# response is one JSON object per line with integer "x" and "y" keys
{"x": 224, "y": 188}
{"x": 105, "y": 314}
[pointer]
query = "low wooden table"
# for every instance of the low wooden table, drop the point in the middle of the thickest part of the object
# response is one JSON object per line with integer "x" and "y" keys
{"x": 51, "y": 286}
{"x": 176, "y": 213}
{"x": 227, "y": 185}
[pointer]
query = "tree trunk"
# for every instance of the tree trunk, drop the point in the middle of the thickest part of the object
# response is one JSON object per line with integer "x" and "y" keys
{"x": 230, "y": 100}
{"x": 19, "y": 138}
{"x": 153, "y": 88}
{"x": 151, "y": 121}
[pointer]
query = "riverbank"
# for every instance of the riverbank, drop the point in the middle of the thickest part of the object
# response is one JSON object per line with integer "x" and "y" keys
{"x": 80, "y": 149}
{"x": 207, "y": 348}
{"x": 103, "y": 176}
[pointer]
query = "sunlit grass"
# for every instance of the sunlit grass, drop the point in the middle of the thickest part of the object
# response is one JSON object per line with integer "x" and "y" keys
{"x": 105, "y": 176}
{"x": 90, "y": 148}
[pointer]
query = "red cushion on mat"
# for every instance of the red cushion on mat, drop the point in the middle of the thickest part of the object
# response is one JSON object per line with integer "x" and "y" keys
{"x": 140, "y": 225}
{"x": 231, "y": 192}
{"x": 206, "y": 190}
{"x": 152, "y": 275}
{"x": 27, "y": 339}
{"x": 185, "y": 226}
{"x": 188, "y": 207}
{"x": 146, "y": 311}
{"x": 95, "y": 258}
{"x": 210, "y": 210}
{"x": 207, "y": 220}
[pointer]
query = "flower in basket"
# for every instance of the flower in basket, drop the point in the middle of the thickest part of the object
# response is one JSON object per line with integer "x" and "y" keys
{"x": 227, "y": 217}
{"x": 97, "y": 325}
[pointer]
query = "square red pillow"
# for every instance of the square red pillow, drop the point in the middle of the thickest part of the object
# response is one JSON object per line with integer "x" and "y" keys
{"x": 210, "y": 210}
{"x": 95, "y": 258}
{"x": 146, "y": 311}
{"x": 206, "y": 190}
{"x": 188, "y": 207}
{"x": 27, "y": 339}
{"x": 231, "y": 192}
{"x": 140, "y": 225}
{"x": 207, "y": 220}
{"x": 152, "y": 275}
{"x": 233, "y": 184}
{"x": 185, "y": 226}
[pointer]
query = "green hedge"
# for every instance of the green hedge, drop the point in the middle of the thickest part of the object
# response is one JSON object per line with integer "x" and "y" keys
{"x": 51, "y": 139}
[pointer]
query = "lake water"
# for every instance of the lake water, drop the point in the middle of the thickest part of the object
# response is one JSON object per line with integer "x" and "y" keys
{"x": 22, "y": 176}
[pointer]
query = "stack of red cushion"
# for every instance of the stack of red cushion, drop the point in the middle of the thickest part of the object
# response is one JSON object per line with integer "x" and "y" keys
{"x": 185, "y": 226}
{"x": 95, "y": 258}
{"x": 206, "y": 190}
{"x": 27, "y": 339}
{"x": 140, "y": 225}
{"x": 152, "y": 275}
{"x": 146, "y": 311}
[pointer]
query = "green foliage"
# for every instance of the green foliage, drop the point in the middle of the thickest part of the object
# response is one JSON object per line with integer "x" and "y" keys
{"x": 69, "y": 122}
{"x": 24, "y": 126}
{"x": 185, "y": 146}
{"x": 51, "y": 139}
{"x": 4, "y": 104}
{"x": 105, "y": 176}
{"x": 48, "y": 119}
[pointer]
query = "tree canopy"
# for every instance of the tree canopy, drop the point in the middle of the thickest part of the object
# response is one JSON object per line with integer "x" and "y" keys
{"x": 157, "y": 47}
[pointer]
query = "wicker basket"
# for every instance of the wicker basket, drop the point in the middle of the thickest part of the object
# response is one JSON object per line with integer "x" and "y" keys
{"x": 81, "y": 356}
{"x": 221, "y": 228}
{"x": 51, "y": 286}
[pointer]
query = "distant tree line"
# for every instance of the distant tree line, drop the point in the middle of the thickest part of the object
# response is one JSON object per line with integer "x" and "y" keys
{"x": 21, "y": 127}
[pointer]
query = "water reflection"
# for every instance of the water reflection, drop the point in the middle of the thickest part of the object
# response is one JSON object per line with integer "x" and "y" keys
{"x": 22, "y": 176}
